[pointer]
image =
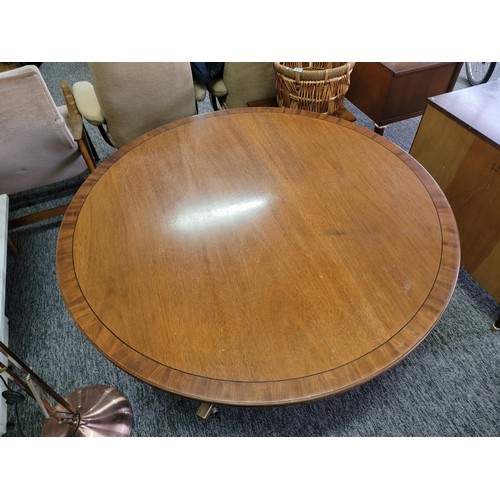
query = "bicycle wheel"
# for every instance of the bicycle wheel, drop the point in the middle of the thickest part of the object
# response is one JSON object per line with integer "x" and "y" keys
{"x": 479, "y": 72}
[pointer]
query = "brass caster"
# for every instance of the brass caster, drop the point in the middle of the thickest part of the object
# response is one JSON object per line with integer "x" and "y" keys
{"x": 207, "y": 410}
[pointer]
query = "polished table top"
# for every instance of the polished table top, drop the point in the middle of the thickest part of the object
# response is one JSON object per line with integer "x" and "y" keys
{"x": 258, "y": 256}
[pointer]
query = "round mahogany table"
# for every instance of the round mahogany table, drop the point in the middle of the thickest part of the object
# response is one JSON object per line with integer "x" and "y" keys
{"x": 258, "y": 256}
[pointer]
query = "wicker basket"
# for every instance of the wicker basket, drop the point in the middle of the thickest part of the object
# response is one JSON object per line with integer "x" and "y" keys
{"x": 318, "y": 87}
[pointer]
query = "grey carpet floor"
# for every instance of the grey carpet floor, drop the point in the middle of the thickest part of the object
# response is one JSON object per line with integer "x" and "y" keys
{"x": 448, "y": 386}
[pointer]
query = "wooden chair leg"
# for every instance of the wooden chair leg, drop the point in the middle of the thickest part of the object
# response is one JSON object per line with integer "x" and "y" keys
{"x": 86, "y": 154}
{"x": 12, "y": 248}
{"x": 38, "y": 216}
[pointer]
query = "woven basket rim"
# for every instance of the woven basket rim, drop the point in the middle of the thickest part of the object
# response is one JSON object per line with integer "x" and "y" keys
{"x": 313, "y": 74}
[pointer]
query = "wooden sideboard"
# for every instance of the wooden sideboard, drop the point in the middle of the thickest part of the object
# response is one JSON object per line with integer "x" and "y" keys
{"x": 458, "y": 142}
{"x": 388, "y": 92}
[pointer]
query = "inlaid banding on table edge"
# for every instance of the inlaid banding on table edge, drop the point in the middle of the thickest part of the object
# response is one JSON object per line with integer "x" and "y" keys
{"x": 388, "y": 341}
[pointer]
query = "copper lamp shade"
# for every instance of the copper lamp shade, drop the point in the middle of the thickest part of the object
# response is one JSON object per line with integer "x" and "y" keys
{"x": 102, "y": 412}
{"x": 93, "y": 411}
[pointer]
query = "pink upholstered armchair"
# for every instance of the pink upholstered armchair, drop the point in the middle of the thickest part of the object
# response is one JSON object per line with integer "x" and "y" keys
{"x": 40, "y": 143}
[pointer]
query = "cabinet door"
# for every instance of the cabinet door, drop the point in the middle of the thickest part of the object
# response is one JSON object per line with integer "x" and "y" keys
{"x": 467, "y": 168}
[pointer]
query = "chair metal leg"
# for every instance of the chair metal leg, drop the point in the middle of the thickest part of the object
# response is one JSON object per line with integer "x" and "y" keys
{"x": 90, "y": 146}
{"x": 213, "y": 102}
{"x": 105, "y": 136}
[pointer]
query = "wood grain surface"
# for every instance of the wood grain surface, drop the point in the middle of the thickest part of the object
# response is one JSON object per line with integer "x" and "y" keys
{"x": 388, "y": 92}
{"x": 466, "y": 165}
{"x": 258, "y": 256}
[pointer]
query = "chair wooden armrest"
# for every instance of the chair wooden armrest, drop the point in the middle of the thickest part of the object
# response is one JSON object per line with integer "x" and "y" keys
{"x": 75, "y": 118}
{"x": 76, "y": 122}
{"x": 88, "y": 106}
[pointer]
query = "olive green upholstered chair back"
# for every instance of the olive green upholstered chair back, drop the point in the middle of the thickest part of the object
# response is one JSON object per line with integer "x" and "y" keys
{"x": 128, "y": 99}
{"x": 243, "y": 82}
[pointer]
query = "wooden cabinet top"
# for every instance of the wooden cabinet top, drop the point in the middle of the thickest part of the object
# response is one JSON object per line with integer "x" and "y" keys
{"x": 400, "y": 68}
{"x": 476, "y": 108}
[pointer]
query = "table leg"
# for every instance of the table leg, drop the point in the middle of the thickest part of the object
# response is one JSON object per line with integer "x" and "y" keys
{"x": 207, "y": 410}
{"x": 379, "y": 129}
